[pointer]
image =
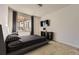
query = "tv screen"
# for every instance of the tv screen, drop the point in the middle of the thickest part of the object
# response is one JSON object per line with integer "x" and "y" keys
{"x": 45, "y": 22}
{"x": 41, "y": 23}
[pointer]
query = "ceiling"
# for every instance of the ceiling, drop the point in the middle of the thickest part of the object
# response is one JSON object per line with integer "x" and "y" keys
{"x": 34, "y": 9}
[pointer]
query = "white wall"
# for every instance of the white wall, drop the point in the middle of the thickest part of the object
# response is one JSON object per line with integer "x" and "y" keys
{"x": 37, "y": 25}
{"x": 4, "y": 18}
{"x": 65, "y": 25}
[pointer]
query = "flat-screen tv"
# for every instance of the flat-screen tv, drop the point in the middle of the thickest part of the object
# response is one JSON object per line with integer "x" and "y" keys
{"x": 45, "y": 22}
{"x": 41, "y": 23}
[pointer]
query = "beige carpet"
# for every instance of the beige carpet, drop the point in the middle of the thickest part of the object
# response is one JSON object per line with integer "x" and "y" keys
{"x": 54, "y": 48}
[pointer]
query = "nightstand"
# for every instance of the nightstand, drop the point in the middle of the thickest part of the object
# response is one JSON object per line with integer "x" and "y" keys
{"x": 48, "y": 35}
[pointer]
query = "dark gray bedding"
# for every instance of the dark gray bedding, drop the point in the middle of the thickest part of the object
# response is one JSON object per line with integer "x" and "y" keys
{"x": 29, "y": 38}
{"x": 25, "y": 41}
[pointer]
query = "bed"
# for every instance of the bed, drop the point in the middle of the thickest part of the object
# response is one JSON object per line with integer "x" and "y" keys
{"x": 23, "y": 44}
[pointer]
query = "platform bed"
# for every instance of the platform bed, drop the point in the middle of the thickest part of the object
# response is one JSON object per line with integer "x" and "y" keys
{"x": 15, "y": 45}
{"x": 25, "y": 44}
{"x": 25, "y": 50}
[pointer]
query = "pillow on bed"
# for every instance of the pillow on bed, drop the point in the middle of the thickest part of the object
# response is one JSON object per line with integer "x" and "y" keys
{"x": 11, "y": 38}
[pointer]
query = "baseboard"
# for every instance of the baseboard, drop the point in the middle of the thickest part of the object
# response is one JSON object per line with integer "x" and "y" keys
{"x": 67, "y": 44}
